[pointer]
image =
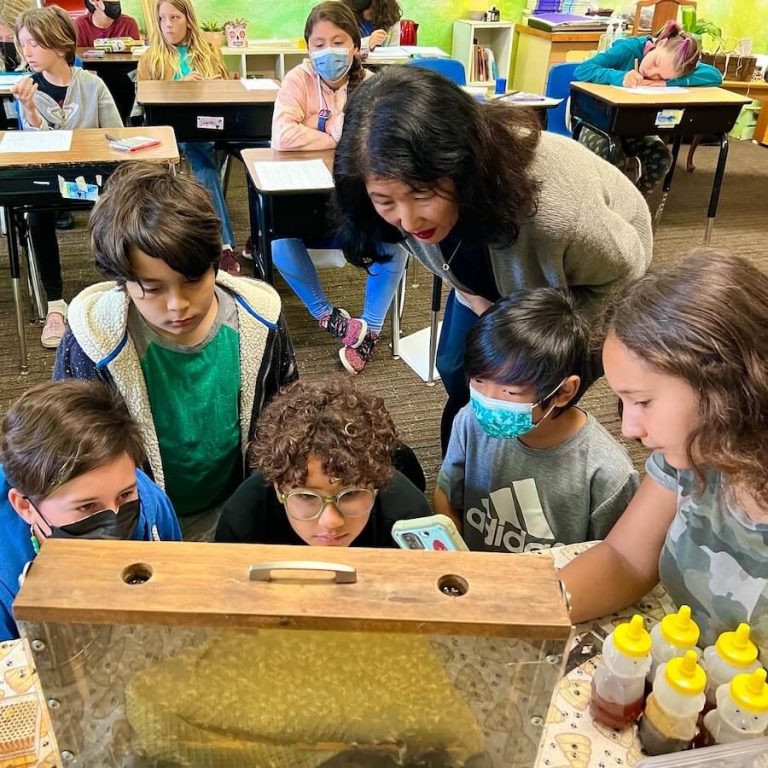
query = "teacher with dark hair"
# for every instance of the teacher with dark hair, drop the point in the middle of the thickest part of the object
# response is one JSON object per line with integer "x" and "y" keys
{"x": 482, "y": 198}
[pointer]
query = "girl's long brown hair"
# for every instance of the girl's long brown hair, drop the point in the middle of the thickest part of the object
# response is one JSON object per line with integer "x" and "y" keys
{"x": 705, "y": 320}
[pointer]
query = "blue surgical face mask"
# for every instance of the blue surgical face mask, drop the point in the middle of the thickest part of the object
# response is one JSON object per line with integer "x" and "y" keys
{"x": 500, "y": 418}
{"x": 332, "y": 63}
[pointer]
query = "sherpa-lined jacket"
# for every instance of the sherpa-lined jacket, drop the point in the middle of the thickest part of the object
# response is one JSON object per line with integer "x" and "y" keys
{"x": 88, "y": 104}
{"x": 98, "y": 346}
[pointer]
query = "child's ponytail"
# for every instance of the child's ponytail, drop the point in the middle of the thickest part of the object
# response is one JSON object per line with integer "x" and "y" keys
{"x": 684, "y": 46}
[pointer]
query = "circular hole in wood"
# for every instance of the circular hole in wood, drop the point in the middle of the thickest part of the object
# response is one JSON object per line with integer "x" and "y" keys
{"x": 453, "y": 585}
{"x": 138, "y": 573}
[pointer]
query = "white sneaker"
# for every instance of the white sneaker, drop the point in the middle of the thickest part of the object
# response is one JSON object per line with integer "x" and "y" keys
{"x": 53, "y": 331}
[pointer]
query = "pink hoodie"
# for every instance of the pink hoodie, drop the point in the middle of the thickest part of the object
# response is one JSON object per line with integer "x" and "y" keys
{"x": 301, "y": 97}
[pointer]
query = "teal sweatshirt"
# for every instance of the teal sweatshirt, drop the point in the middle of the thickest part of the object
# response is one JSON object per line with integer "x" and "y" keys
{"x": 610, "y": 66}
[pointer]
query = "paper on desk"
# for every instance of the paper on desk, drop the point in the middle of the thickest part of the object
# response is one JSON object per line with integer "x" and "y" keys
{"x": 36, "y": 141}
{"x": 424, "y": 51}
{"x": 276, "y": 176}
{"x": 7, "y": 79}
{"x": 389, "y": 52}
{"x": 652, "y": 89}
{"x": 259, "y": 84}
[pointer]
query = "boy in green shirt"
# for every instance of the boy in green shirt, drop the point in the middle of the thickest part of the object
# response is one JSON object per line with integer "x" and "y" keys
{"x": 194, "y": 352}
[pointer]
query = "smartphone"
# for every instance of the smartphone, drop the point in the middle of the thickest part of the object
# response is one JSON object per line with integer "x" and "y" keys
{"x": 436, "y": 532}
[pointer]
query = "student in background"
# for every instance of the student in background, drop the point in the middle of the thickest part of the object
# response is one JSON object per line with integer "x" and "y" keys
{"x": 57, "y": 96}
{"x": 323, "y": 474}
{"x": 178, "y": 50}
{"x": 686, "y": 352}
{"x": 379, "y": 22}
{"x": 105, "y": 18}
{"x": 309, "y": 114}
{"x": 484, "y": 199}
{"x": 70, "y": 456}
{"x": 195, "y": 354}
{"x": 525, "y": 468}
{"x": 671, "y": 58}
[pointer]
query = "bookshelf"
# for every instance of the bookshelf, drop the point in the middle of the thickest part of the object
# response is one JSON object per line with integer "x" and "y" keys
{"x": 496, "y": 35}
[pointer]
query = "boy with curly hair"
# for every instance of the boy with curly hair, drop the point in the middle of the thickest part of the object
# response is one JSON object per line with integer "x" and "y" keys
{"x": 323, "y": 457}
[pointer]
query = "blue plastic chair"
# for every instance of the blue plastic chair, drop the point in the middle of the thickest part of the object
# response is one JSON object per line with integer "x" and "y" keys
{"x": 559, "y": 87}
{"x": 453, "y": 69}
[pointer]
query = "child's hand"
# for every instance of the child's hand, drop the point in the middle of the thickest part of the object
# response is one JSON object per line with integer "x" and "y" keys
{"x": 654, "y": 83}
{"x": 25, "y": 91}
{"x": 633, "y": 78}
{"x": 378, "y": 36}
{"x": 193, "y": 76}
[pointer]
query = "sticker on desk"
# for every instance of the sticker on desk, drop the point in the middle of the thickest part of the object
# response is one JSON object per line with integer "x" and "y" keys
{"x": 78, "y": 189}
{"x": 669, "y": 118}
{"x": 211, "y": 123}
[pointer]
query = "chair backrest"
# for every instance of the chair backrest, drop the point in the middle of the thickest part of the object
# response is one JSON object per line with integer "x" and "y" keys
{"x": 453, "y": 69}
{"x": 663, "y": 11}
{"x": 559, "y": 87}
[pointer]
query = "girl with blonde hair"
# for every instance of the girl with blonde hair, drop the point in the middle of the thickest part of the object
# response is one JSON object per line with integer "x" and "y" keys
{"x": 178, "y": 50}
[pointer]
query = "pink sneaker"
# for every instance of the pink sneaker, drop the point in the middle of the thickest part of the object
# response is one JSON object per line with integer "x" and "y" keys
{"x": 350, "y": 330}
{"x": 53, "y": 331}
{"x": 228, "y": 262}
{"x": 354, "y": 360}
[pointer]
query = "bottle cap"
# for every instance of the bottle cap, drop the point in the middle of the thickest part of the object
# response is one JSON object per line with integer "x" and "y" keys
{"x": 631, "y": 637}
{"x": 679, "y": 628}
{"x": 685, "y": 675}
{"x": 750, "y": 692}
{"x": 736, "y": 648}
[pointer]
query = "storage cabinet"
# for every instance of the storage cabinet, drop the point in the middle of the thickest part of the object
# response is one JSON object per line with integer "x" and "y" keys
{"x": 496, "y": 35}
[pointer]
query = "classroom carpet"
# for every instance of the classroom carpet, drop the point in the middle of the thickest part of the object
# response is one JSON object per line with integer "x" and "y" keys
{"x": 741, "y": 228}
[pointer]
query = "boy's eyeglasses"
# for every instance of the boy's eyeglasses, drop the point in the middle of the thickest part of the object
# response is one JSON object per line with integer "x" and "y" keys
{"x": 303, "y": 504}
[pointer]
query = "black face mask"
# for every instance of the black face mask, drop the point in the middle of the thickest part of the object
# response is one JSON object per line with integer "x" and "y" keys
{"x": 106, "y": 524}
{"x": 112, "y": 10}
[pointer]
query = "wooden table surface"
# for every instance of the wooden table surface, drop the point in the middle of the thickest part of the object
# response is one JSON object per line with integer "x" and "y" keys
{"x": 89, "y": 145}
{"x": 200, "y": 92}
{"x": 692, "y": 96}
{"x": 108, "y": 58}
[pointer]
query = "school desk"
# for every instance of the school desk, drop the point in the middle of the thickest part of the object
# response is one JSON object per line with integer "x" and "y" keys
{"x": 302, "y": 214}
{"x": 617, "y": 113}
{"x": 535, "y": 51}
{"x": 29, "y": 180}
{"x": 208, "y": 110}
{"x": 115, "y": 69}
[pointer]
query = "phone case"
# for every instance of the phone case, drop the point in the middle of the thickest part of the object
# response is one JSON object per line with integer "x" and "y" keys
{"x": 436, "y": 532}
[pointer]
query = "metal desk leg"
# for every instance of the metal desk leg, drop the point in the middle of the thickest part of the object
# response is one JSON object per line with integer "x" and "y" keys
{"x": 667, "y": 182}
{"x": 13, "y": 256}
{"x": 437, "y": 290}
{"x": 395, "y": 310}
{"x": 716, "y": 184}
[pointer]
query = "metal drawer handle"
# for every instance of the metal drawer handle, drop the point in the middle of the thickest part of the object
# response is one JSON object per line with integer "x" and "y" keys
{"x": 345, "y": 574}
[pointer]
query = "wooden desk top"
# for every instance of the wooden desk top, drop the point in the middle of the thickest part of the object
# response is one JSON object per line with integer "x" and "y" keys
{"x": 747, "y": 86}
{"x": 559, "y": 37}
{"x": 90, "y": 146}
{"x": 693, "y": 96}
{"x": 200, "y": 92}
{"x": 258, "y": 155}
{"x": 107, "y": 58}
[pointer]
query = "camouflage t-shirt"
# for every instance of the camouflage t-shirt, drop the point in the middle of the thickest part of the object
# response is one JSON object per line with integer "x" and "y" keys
{"x": 715, "y": 558}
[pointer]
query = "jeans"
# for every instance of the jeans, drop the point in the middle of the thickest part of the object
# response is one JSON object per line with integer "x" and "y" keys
{"x": 42, "y": 231}
{"x": 457, "y": 323}
{"x": 290, "y": 256}
{"x": 202, "y": 157}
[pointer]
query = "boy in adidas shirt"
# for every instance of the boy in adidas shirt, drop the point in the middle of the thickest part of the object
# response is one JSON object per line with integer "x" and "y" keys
{"x": 525, "y": 468}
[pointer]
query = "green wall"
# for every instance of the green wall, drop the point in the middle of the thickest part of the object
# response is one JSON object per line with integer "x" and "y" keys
{"x": 285, "y": 18}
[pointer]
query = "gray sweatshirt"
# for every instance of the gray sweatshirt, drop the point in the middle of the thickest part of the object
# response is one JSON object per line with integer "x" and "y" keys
{"x": 591, "y": 230}
{"x": 88, "y": 104}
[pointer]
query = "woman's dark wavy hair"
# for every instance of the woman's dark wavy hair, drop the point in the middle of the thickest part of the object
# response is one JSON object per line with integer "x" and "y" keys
{"x": 341, "y": 16}
{"x": 385, "y": 13}
{"x": 415, "y": 126}
{"x": 534, "y": 338}
{"x": 704, "y": 320}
